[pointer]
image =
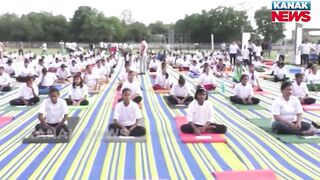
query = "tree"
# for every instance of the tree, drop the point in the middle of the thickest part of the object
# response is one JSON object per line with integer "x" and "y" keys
{"x": 270, "y": 31}
{"x": 136, "y": 31}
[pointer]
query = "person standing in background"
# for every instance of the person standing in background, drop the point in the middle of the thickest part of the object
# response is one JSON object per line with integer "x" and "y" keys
{"x": 143, "y": 56}
{"x": 21, "y": 49}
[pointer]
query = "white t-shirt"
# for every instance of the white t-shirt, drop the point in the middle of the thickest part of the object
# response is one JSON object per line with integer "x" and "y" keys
{"x": 243, "y": 91}
{"x": 5, "y": 79}
{"x": 100, "y": 72}
{"x": 26, "y": 71}
{"x": 64, "y": 74}
{"x": 54, "y": 113}
{"x": 287, "y": 110}
{"x": 153, "y": 64}
{"x": 245, "y": 54}
{"x": 127, "y": 116}
{"x": 233, "y": 48}
{"x": 207, "y": 79}
{"x": 200, "y": 115}
{"x": 256, "y": 63}
{"x": 134, "y": 86}
{"x": 305, "y": 48}
{"x": 26, "y": 92}
{"x": 48, "y": 80}
{"x": 123, "y": 76}
{"x": 194, "y": 68}
{"x": 314, "y": 78}
{"x": 90, "y": 79}
{"x": 143, "y": 48}
{"x": 300, "y": 91}
{"x": 280, "y": 73}
{"x": 258, "y": 50}
{"x": 75, "y": 69}
{"x": 78, "y": 92}
{"x": 253, "y": 77}
{"x": 178, "y": 91}
{"x": 162, "y": 81}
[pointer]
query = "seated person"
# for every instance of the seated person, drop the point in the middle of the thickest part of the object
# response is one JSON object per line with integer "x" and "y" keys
{"x": 134, "y": 86}
{"x": 258, "y": 65}
{"x": 153, "y": 65}
{"x": 103, "y": 77}
{"x": 307, "y": 72}
{"x": 243, "y": 92}
{"x": 237, "y": 71}
{"x": 53, "y": 114}
{"x": 39, "y": 67}
{"x": 78, "y": 93}
{"x": 162, "y": 80}
{"x": 254, "y": 78}
{"x": 63, "y": 74}
{"x": 106, "y": 65}
{"x": 207, "y": 80}
{"x": 313, "y": 79}
{"x": 184, "y": 65}
{"x": 91, "y": 80}
{"x": 287, "y": 114}
{"x": 29, "y": 93}
{"x": 179, "y": 93}
{"x": 25, "y": 72}
{"x": 200, "y": 115}
{"x": 124, "y": 75}
{"x": 280, "y": 73}
{"x": 54, "y": 66}
{"x": 126, "y": 117}
{"x": 300, "y": 90}
{"x": 47, "y": 79}
{"x": 220, "y": 68}
{"x": 5, "y": 80}
{"x": 194, "y": 69}
{"x": 9, "y": 68}
{"x": 74, "y": 68}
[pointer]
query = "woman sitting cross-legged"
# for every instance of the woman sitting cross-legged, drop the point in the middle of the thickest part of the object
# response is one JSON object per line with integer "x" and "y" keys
{"x": 200, "y": 115}
{"x": 126, "y": 117}
{"x": 47, "y": 79}
{"x": 29, "y": 93}
{"x": 52, "y": 116}
{"x": 78, "y": 93}
{"x": 243, "y": 92}
{"x": 180, "y": 93}
{"x": 162, "y": 80}
{"x": 206, "y": 79}
{"x": 300, "y": 90}
{"x": 287, "y": 114}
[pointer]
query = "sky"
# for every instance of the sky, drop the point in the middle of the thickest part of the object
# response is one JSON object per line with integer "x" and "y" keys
{"x": 148, "y": 11}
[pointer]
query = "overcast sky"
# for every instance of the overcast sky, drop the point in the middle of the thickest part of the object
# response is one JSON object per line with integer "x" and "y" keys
{"x": 147, "y": 11}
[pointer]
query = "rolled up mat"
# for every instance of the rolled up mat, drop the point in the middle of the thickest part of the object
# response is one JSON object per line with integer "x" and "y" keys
{"x": 5, "y": 120}
{"x": 245, "y": 175}
{"x": 311, "y": 107}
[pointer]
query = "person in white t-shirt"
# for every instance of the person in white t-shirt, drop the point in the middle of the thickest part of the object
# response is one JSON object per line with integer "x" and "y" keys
{"x": 127, "y": 115}
{"x": 124, "y": 75}
{"x": 233, "y": 49}
{"x": 162, "y": 80}
{"x": 200, "y": 115}
{"x": 47, "y": 79}
{"x": 153, "y": 65}
{"x": 287, "y": 113}
{"x": 301, "y": 91}
{"x": 254, "y": 78}
{"x": 179, "y": 93}
{"x": 63, "y": 74}
{"x": 5, "y": 80}
{"x": 9, "y": 69}
{"x": 194, "y": 69}
{"x": 143, "y": 56}
{"x": 101, "y": 72}
{"x": 313, "y": 79}
{"x": 53, "y": 114}
{"x": 206, "y": 79}
{"x": 243, "y": 92}
{"x": 280, "y": 73}
{"x": 29, "y": 94}
{"x": 106, "y": 65}
{"x": 78, "y": 93}
{"x": 91, "y": 79}
{"x": 304, "y": 50}
{"x": 25, "y": 72}
{"x": 134, "y": 86}
{"x": 74, "y": 68}
{"x": 245, "y": 55}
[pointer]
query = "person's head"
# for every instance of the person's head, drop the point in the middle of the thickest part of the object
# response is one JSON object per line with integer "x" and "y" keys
{"x": 131, "y": 76}
{"x": 98, "y": 63}
{"x": 314, "y": 69}
{"x": 181, "y": 81}
{"x": 89, "y": 69}
{"x": 44, "y": 71}
{"x": 63, "y": 66}
{"x": 26, "y": 62}
{"x": 251, "y": 67}
{"x": 244, "y": 79}
{"x": 281, "y": 65}
{"x": 77, "y": 81}
{"x": 299, "y": 77}
{"x": 1, "y": 70}
{"x": 194, "y": 62}
{"x": 126, "y": 95}
{"x": 201, "y": 95}
{"x": 286, "y": 89}
{"x": 9, "y": 62}
{"x": 30, "y": 80}
{"x": 54, "y": 95}
{"x": 73, "y": 62}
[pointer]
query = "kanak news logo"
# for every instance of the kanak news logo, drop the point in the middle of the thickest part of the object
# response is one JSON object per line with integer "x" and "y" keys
{"x": 291, "y": 11}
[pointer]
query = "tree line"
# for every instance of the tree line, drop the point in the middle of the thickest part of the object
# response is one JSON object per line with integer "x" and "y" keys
{"x": 90, "y": 25}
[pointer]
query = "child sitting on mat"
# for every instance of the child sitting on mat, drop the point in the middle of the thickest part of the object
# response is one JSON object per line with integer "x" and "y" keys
{"x": 243, "y": 92}
{"x": 179, "y": 93}
{"x": 47, "y": 79}
{"x": 153, "y": 65}
{"x": 52, "y": 115}
{"x": 220, "y": 68}
{"x": 91, "y": 79}
{"x": 126, "y": 117}
{"x": 287, "y": 114}
{"x": 134, "y": 86}
{"x": 78, "y": 93}
{"x": 301, "y": 91}
{"x": 280, "y": 73}
{"x": 206, "y": 79}
{"x": 313, "y": 79}
{"x": 29, "y": 93}
{"x": 254, "y": 78}
{"x": 124, "y": 75}
{"x": 5, "y": 80}
{"x": 194, "y": 71}
{"x": 200, "y": 115}
{"x": 63, "y": 74}
{"x": 238, "y": 70}
{"x": 162, "y": 80}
